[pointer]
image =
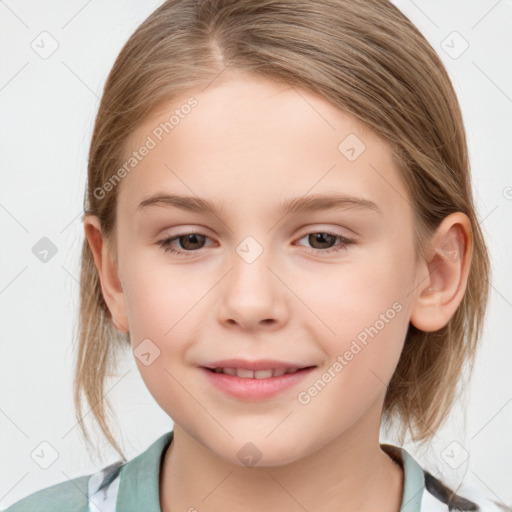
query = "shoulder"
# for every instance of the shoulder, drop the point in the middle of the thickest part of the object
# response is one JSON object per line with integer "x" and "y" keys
{"x": 69, "y": 496}
{"x": 438, "y": 496}
{"x": 127, "y": 481}
{"x": 424, "y": 492}
{"x": 75, "y": 495}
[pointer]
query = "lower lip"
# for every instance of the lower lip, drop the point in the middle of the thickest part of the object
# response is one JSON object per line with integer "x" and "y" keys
{"x": 255, "y": 389}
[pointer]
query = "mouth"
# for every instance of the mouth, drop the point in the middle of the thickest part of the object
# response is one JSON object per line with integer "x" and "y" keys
{"x": 256, "y": 369}
{"x": 255, "y": 380}
{"x": 256, "y": 374}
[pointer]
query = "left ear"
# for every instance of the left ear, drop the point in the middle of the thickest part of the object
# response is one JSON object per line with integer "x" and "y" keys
{"x": 448, "y": 262}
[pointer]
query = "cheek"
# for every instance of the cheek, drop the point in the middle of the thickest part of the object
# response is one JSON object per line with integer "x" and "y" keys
{"x": 347, "y": 298}
{"x": 162, "y": 300}
{"x": 367, "y": 319}
{"x": 163, "y": 307}
{"x": 362, "y": 316}
{"x": 166, "y": 307}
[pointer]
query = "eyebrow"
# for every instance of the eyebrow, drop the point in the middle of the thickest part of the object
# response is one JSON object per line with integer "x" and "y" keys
{"x": 306, "y": 204}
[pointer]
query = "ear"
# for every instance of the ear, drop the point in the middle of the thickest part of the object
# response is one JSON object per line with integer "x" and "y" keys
{"x": 448, "y": 262}
{"x": 108, "y": 273}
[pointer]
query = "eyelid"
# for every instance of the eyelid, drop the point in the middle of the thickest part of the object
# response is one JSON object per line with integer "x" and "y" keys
{"x": 331, "y": 230}
{"x": 166, "y": 242}
{"x": 343, "y": 245}
{"x": 305, "y": 231}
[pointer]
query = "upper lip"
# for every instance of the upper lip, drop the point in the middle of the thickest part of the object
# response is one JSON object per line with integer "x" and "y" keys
{"x": 260, "y": 364}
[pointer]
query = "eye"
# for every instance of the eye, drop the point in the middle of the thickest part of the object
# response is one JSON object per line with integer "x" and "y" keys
{"x": 189, "y": 241}
{"x": 324, "y": 240}
{"x": 192, "y": 242}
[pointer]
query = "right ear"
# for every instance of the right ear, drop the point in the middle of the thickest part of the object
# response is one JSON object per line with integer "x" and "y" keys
{"x": 108, "y": 272}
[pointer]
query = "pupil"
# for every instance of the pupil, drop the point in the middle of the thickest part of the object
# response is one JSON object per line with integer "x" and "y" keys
{"x": 320, "y": 237}
{"x": 187, "y": 238}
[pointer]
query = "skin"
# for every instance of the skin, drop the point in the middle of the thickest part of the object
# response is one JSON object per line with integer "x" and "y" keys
{"x": 249, "y": 144}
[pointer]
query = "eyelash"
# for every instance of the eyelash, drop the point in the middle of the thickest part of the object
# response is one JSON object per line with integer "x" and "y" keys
{"x": 166, "y": 243}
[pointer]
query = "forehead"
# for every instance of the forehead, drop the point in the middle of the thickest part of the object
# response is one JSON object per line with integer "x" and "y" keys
{"x": 246, "y": 141}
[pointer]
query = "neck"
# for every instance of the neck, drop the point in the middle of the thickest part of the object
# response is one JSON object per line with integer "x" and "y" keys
{"x": 349, "y": 473}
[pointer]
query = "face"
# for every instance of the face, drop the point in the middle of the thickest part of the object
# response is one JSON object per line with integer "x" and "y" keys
{"x": 327, "y": 287}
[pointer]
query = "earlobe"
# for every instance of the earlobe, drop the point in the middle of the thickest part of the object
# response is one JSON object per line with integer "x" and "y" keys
{"x": 448, "y": 263}
{"x": 108, "y": 272}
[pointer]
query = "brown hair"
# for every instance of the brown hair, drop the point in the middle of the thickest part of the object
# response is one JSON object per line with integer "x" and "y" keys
{"x": 366, "y": 58}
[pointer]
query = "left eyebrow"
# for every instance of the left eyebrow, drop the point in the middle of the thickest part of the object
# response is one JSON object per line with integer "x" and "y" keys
{"x": 316, "y": 202}
{"x": 189, "y": 203}
{"x": 306, "y": 204}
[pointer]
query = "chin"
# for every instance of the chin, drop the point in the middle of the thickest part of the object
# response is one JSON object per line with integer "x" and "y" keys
{"x": 263, "y": 454}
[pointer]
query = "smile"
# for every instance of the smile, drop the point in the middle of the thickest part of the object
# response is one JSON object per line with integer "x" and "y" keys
{"x": 254, "y": 374}
{"x": 255, "y": 385}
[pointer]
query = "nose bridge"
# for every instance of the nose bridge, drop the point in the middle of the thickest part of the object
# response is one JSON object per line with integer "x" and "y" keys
{"x": 250, "y": 264}
{"x": 252, "y": 293}
{"x": 251, "y": 249}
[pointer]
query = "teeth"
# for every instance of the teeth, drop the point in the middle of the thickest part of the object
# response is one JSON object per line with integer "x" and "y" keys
{"x": 245, "y": 374}
{"x": 251, "y": 374}
{"x": 263, "y": 374}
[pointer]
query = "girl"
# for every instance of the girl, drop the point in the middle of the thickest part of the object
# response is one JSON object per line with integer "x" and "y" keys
{"x": 279, "y": 223}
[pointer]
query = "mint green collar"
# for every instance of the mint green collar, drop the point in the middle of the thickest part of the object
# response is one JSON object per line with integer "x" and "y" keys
{"x": 414, "y": 479}
{"x": 140, "y": 477}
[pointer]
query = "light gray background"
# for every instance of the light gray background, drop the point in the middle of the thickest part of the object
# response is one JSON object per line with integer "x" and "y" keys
{"x": 48, "y": 107}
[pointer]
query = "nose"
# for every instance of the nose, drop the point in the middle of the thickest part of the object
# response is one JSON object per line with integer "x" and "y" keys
{"x": 252, "y": 296}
